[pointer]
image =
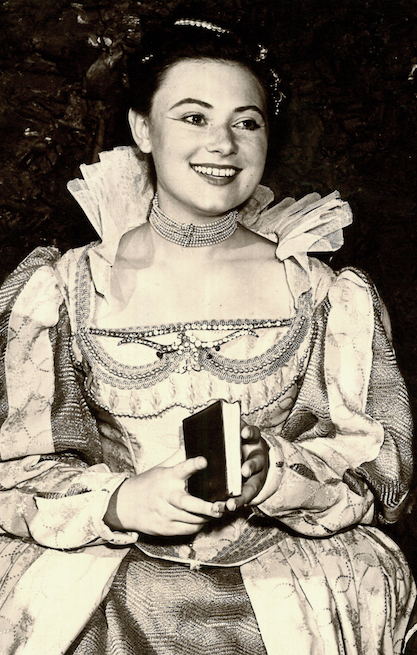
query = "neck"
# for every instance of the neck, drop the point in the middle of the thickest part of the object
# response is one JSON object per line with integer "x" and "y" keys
{"x": 181, "y": 213}
{"x": 192, "y": 235}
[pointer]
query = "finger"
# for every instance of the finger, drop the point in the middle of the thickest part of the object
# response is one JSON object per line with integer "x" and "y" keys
{"x": 250, "y": 433}
{"x": 176, "y": 458}
{"x": 249, "y": 491}
{"x": 254, "y": 464}
{"x": 184, "y": 470}
{"x": 231, "y": 504}
{"x": 179, "y": 508}
{"x": 197, "y": 506}
{"x": 182, "y": 516}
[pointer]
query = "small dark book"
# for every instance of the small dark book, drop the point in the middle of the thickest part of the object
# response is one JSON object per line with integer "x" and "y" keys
{"x": 214, "y": 433}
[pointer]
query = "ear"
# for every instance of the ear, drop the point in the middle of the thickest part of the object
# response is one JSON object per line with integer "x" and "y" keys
{"x": 140, "y": 130}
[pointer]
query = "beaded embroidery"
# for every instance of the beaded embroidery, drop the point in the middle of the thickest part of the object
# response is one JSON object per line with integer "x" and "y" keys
{"x": 189, "y": 352}
{"x": 185, "y": 339}
{"x": 188, "y": 235}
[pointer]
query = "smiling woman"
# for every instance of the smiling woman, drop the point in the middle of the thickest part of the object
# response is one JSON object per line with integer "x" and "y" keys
{"x": 207, "y": 133}
{"x": 199, "y": 289}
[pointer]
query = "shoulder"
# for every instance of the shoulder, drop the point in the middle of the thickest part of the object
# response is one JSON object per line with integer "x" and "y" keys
{"x": 42, "y": 258}
{"x": 257, "y": 245}
{"x": 42, "y": 276}
{"x": 67, "y": 265}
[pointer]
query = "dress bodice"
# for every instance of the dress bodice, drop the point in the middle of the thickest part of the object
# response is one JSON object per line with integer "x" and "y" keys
{"x": 161, "y": 374}
{"x": 233, "y": 359}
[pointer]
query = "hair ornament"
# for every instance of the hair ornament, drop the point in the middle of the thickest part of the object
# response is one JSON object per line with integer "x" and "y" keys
{"x": 201, "y": 23}
{"x": 262, "y": 52}
{"x": 278, "y": 95}
{"x": 277, "y": 79}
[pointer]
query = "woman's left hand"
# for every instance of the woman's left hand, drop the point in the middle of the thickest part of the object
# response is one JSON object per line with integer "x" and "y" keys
{"x": 254, "y": 467}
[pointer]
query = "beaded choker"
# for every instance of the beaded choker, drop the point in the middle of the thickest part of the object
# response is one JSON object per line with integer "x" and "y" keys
{"x": 190, "y": 235}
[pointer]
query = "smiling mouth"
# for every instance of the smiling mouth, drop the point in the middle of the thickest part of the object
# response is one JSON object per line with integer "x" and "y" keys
{"x": 222, "y": 174}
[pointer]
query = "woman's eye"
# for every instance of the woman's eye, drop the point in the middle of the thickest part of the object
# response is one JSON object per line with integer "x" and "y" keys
{"x": 195, "y": 119}
{"x": 248, "y": 124}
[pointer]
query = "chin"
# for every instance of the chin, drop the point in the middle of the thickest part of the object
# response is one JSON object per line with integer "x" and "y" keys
{"x": 214, "y": 211}
{"x": 221, "y": 207}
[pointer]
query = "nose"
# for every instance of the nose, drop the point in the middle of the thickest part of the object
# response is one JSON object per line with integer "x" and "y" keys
{"x": 221, "y": 140}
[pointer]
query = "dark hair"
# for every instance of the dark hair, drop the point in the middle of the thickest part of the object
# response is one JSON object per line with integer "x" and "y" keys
{"x": 194, "y": 39}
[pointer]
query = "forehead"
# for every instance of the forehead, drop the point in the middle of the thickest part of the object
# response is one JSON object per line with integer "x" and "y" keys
{"x": 215, "y": 82}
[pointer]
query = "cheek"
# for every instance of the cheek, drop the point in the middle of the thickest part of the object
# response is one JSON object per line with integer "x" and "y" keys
{"x": 255, "y": 145}
{"x": 263, "y": 146}
{"x": 175, "y": 146}
{"x": 257, "y": 152}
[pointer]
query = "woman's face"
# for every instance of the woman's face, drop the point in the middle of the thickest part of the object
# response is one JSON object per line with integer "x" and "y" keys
{"x": 207, "y": 133}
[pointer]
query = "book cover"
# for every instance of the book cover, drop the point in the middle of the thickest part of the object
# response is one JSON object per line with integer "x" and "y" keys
{"x": 214, "y": 433}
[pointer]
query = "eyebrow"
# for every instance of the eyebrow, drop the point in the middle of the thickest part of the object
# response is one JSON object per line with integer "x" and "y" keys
{"x": 206, "y": 105}
{"x": 252, "y": 107}
{"x": 192, "y": 101}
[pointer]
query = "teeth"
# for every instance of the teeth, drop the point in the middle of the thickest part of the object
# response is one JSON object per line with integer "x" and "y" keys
{"x": 217, "y": 172}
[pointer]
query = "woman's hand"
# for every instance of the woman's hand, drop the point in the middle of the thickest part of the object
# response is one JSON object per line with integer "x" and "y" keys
{"x": 156, "y": 503}
{"x": 254, "y": 468}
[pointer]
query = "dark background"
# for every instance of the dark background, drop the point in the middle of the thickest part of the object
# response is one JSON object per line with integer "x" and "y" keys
{"x": 349, "y": 123}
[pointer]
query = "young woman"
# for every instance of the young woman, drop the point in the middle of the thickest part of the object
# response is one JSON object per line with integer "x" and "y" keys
{"x": 188, "y": 298}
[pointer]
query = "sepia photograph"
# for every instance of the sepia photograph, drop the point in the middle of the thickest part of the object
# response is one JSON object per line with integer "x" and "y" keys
{"x": 208, "y": 297}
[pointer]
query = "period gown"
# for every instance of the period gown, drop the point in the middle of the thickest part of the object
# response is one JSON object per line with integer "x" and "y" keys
{"x": 305, "y": 571}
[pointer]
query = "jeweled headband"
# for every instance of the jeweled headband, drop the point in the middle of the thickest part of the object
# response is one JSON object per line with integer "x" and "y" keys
{"x": 277, "y": 95}
{"x": 201, "y": 23}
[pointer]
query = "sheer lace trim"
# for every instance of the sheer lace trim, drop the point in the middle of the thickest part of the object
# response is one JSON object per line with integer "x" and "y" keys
{"x": 116, "y": 194}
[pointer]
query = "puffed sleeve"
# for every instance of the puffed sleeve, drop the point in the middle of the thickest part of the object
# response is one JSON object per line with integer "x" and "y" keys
{"x": 54, "y": 488}
{"x": 344, "y": 454}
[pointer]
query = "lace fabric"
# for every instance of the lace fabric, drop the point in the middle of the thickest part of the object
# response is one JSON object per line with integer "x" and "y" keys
{"x": 116, "y": 195}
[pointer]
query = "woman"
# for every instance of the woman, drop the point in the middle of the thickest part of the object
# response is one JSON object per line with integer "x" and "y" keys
{"x": 186, "y": 299}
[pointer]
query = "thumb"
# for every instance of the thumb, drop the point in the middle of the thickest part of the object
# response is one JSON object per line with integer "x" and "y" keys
{"x": 184, "y": 470}
{"x": 173, "y": 460}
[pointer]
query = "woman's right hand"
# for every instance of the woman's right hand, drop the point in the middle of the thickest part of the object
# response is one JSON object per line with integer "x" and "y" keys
{"x": 156, "y": 503}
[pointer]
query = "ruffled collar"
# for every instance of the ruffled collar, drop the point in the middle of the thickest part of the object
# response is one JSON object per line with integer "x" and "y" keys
{"x": 115, "y": 194}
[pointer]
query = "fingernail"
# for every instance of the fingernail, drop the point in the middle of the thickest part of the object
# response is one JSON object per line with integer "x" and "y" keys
{"x": 232, "y": 506}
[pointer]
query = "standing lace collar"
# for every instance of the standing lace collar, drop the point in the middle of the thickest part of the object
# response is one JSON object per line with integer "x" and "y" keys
{"x": 116, "y": 194}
